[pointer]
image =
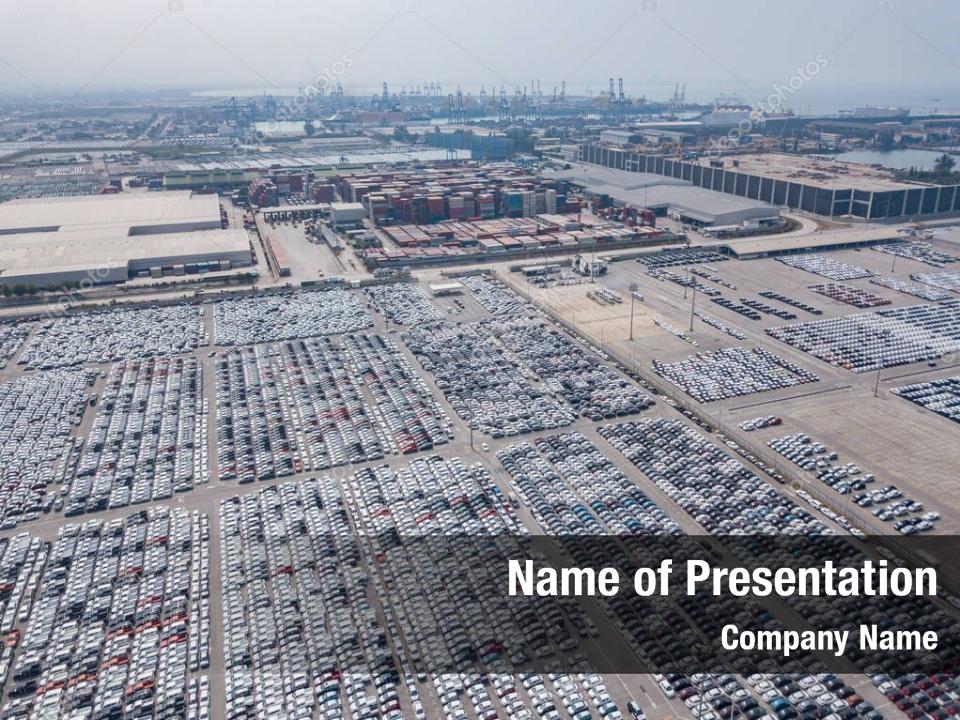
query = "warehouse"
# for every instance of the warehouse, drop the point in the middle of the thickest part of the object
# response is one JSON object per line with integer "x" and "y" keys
{"x": 821, "y": 187}
{"x": 668, "y": 196}
{"x": 110, "y": 238}
{"x": 124, "y": 214}
{"x": 345, "y": 213}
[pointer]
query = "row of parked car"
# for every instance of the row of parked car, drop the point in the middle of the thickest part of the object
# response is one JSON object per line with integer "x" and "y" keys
{"x": 299, "y": 405}
{"x": 288, "y": 315}
{"x": 864, "y": 342}
{"x": 37, "y": 450}
{"x": 710, "y": 274}
{"x": 920, "y": 290}
{"x": 730, "y": 372}
{"x": 12, "y": 335}
{"x": 567, "y": 369}
{"x": 943, "y": 279}
{"x": 760, "y": 423}
{"x": 738, "y": 308}
{"x": 571, "y": 490}
{"x": 888, "y": 502}
{"x": 722, "y": 327}
{"x": 717, "y": 491}
{"x": 680, "y": 256}
{"x": 485, "y": 387}
{"x": 148, "y": 439}
{"x": 440, "y": 518}
{"x": 447, "y": 499}
{"x": 494, "y": 296}
{"x": 768, "y": 309}
{"x": 917, "y": 696}
{"x": 850, "y": 294}
{"x": 709, "y": 493}
{"x": 404, "y": 303}
{"x": 941, "y": 396}
{"x": 301, "y": 637}
{"x": 916, "y": 250}
{"x": 405, "y": 409}
{"x": 792, "y": 302}
{"x": 112, "y": 335}
{"x": 821, "y": 264}
{"x": 686, "y": 281}
{"x": 297, "y": 624}
{"x": 107, "y": 613}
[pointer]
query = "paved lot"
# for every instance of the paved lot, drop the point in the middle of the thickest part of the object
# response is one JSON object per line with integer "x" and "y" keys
{"x": 901, "y": 443}
{"x": 881, "y": 434}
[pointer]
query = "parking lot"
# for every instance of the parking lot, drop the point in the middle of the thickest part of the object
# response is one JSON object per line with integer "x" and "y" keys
{"x": 920, "y": 290}
{"x": 287, "y": 315}
{"x": 731, "y": 372}
{"x": 346, "y": 428}
{"x": 109, "y": 618}
{"x": 940, "y": 396}
{"x": 842, "y": 406}
{"x": 111, "y": 335}
{"x": 148, "y": 439}
{"x": 886, "y": 338}
{"x": 311, "y": 405}
{"x": 825, "y": 265}
{"x": 404, "y": 304}
{"x": 12, "y": 336}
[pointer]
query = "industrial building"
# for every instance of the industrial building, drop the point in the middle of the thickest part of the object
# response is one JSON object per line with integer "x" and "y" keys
{"x": 668, "y": 196}
{"x": 346, "y": 214}
{"x": 830, "y": 188}
{"x": 620, "y": 137}
{"x": 110, "y": 238}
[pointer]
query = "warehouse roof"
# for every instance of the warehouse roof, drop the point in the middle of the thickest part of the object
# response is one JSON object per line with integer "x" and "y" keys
{"x": 53, "y": 252}
{"x": 595, "y": 175}
{"x": 653, "y": 191}
{"x": 110, "y": 214}
{"x": 825, "y": 172}
{"x": 775, "y": 244}
{"x": 95, "y": 234}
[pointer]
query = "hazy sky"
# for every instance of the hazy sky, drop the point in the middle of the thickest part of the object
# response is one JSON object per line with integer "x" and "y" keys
{"x": 880, "y": 51}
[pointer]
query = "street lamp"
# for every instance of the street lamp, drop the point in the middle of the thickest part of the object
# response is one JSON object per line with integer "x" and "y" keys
{"x": 693, "y": 299}
{"x": 633, "y": 296}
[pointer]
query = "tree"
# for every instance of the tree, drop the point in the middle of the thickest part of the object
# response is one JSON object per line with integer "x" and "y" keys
{"x": 944, "y": 164}
{"x": 308, "y": 128}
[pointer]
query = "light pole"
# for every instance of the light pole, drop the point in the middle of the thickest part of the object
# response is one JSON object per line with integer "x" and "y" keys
{"x": 693, "y": 305}
{"x": 633, "y": 297}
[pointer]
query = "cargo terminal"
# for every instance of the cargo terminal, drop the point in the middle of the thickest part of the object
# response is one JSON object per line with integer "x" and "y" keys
{"x": 111, "y": 238}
